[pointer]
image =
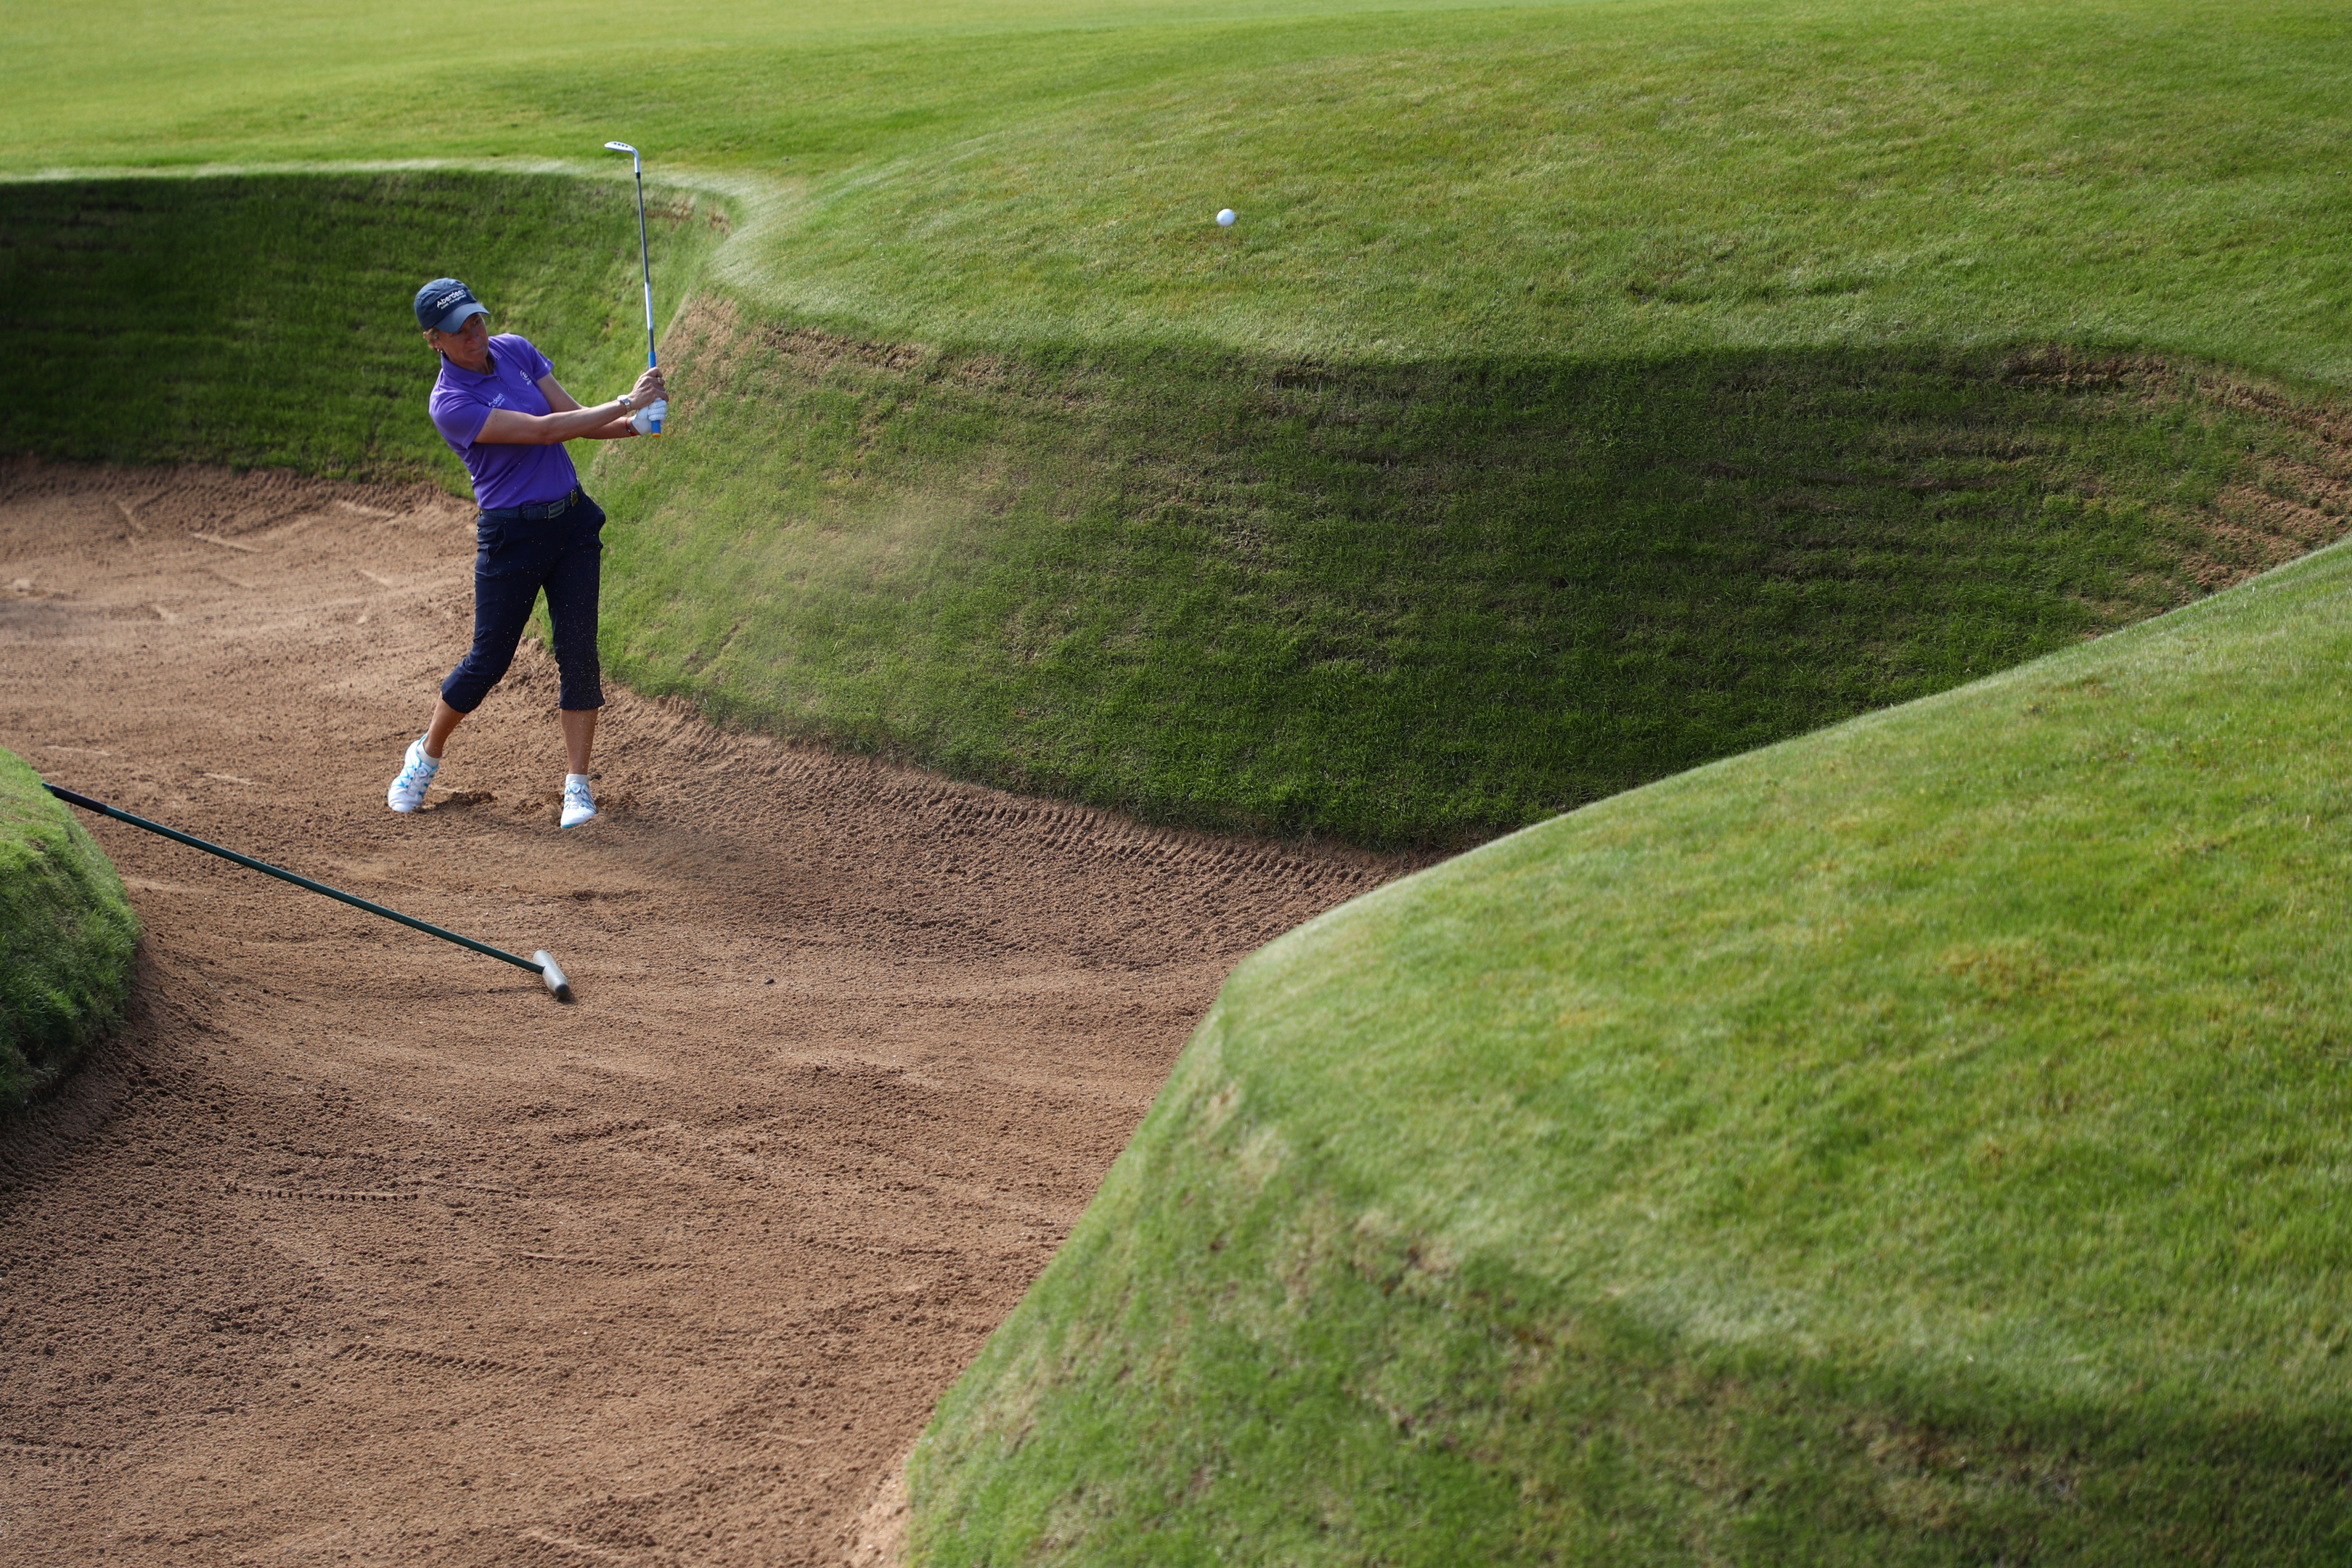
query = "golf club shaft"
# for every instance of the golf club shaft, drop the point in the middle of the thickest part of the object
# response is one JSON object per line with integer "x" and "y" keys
{"x": 646, "y": 260}
{"x": 249, "y": 863}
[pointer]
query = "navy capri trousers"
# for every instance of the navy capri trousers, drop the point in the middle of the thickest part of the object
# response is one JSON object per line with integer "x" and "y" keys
{"x": 521, "y": 549}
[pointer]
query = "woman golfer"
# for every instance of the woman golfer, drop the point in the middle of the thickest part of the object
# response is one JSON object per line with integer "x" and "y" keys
{"x": 498, "y": 406}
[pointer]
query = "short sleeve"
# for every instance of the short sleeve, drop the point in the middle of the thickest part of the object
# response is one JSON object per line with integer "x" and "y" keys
{"x": 536, "y": 365}
{"x": 459, "y": 416}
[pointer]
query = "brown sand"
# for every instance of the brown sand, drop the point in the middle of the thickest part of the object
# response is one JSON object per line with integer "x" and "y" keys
{"x": 359, "y": 1248}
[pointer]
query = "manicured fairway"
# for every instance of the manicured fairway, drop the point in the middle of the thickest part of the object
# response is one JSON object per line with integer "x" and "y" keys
{"x": 1586, "y": 178}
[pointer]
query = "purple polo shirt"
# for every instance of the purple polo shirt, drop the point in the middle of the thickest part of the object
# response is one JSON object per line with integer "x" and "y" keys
{"x": 505, "y": 474}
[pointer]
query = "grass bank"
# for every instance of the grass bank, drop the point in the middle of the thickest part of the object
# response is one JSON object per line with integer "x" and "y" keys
{"x": 66, "y": 936}
{"x": 267, "y": 321}
{"x": 1405, "y": 604}
{"x": 1919, "y": 1143}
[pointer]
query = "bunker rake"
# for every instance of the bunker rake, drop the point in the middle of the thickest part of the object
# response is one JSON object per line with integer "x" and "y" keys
{"x": 542, "y": 964}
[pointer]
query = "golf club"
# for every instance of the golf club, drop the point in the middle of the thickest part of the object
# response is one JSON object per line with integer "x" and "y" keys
{"x": 644, "y": 261}
{"x": 542, "y": 964}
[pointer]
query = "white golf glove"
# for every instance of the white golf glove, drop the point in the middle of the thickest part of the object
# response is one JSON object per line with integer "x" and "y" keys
{"x": 647, "y": 421}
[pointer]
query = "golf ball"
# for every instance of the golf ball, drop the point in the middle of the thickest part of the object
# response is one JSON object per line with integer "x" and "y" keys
{"x": 1226, "y": 217}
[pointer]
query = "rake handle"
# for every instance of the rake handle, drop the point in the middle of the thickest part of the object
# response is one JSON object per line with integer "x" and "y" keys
{"x": 267, "y": 870}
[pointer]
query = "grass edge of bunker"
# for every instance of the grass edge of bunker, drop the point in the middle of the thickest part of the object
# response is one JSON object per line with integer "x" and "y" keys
{"x": 66, "y": 936}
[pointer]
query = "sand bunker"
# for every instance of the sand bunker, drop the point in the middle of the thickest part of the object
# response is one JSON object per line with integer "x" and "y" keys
{"x": 359, "y": 1248}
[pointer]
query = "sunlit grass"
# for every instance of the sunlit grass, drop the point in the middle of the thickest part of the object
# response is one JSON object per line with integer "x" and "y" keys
{"x": 1419, "y": 180}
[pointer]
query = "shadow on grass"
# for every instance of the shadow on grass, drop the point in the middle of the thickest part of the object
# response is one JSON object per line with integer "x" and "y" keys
{"x": 267, "y": 321}
{"x": 1405, "y": 604}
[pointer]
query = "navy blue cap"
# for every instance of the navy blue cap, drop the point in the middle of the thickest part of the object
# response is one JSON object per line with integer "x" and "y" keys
{"x": 443, "y": 305}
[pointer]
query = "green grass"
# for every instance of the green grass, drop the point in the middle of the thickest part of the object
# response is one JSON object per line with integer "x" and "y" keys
{"x": 1415, "y": 180}
{"x": 269, "y": 321}
{"x": 1919, "y": 1142}
{"x": 1424, "y": 604}
{"x": 1628, "y": 178}
{"x": 1407, "y": 511}
{"x": 66, "y": 936}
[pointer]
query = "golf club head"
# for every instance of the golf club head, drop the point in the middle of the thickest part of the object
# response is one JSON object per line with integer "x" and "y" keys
{"x": 637, "y": 158}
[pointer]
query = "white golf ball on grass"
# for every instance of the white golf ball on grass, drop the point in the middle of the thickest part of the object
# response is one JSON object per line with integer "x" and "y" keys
{"x": 1226, "y": 217}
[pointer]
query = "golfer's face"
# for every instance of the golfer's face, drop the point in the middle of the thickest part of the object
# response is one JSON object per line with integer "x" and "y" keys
{"x": 467, "y": 343}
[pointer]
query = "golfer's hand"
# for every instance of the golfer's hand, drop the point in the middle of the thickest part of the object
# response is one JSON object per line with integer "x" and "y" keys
{"x": 649, "y": 387}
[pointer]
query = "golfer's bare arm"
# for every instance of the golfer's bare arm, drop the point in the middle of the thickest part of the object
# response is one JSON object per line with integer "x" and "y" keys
{"x": 566, "y": 420}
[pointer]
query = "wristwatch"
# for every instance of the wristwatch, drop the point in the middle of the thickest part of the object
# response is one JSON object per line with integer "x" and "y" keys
{"x": 625, "y": 405}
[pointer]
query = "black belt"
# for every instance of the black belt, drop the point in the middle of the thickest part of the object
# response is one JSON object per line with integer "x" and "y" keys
{"x": 543, "y": 510}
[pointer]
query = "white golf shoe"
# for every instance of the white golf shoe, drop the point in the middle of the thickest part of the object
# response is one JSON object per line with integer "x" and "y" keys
{"x": 416, "y": 770}
{"x": 578, "y": 806}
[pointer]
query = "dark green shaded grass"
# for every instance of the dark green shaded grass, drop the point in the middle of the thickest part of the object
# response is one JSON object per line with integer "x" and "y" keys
{"x": 1400, "y": 605}
{"x": 66, "y": 936}
{"x": 269, "y": 321}
{"x": 1919, "y": 1142}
